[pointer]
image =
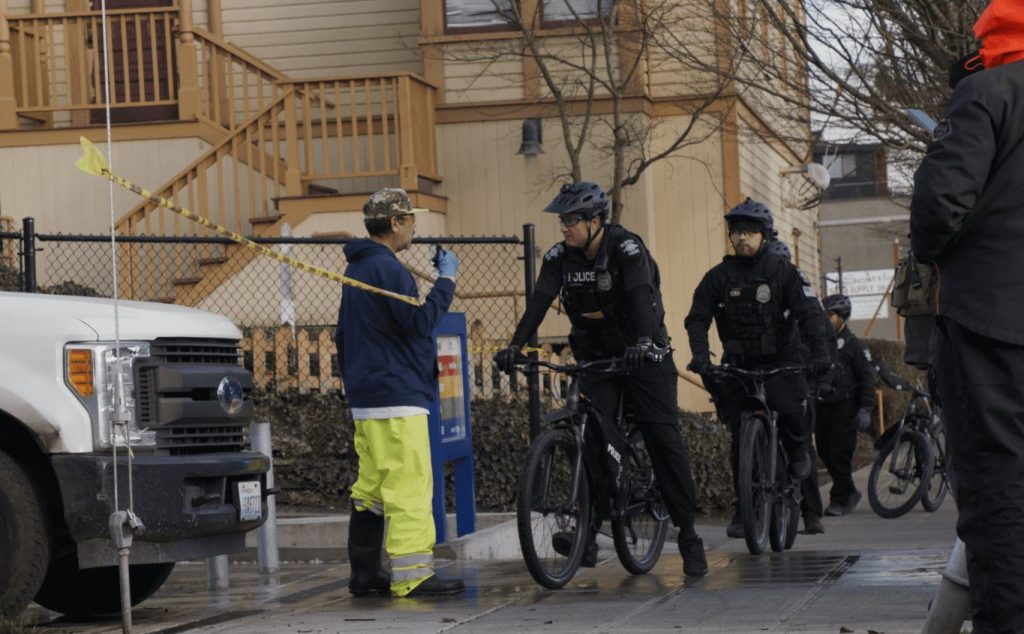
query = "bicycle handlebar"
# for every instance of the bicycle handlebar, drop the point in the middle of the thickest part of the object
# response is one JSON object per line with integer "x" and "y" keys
{"x": 757, "y": 374}
{"x": 599, "y": 365}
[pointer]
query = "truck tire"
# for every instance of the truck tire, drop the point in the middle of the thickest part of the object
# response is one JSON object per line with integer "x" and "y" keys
{"x": 24, "y": 538}
{"x": 92, "y": 591}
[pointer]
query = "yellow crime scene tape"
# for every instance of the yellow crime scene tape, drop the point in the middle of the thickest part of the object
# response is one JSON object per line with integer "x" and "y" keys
{"x": 92, "y": 162}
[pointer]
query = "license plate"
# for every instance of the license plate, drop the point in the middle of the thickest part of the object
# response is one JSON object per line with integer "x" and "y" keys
{"x": 250, "y": 502}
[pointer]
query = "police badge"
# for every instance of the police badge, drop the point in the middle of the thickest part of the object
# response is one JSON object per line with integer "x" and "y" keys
{"x": 604, "y": 281}
{"x": 764, "y": 294}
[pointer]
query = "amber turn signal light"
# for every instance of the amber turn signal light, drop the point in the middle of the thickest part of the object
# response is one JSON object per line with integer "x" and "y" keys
{"x": 80, "y": 371}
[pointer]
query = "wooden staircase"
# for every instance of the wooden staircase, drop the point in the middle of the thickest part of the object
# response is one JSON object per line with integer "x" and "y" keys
{"x": 274, "y": 139}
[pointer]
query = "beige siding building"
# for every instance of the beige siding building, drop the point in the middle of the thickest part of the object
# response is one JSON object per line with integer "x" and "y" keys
{"x": 241, "y": 109}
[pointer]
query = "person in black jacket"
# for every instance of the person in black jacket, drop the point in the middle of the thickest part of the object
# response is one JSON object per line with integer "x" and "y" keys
{"x": 967, "y": 218}
{"x": 846, "y": 409}
{"x": 751, "y": 296}
{"x": 610, "y": 288}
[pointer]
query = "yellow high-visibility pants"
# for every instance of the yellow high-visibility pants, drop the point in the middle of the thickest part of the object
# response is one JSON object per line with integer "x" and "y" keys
{"x": 395, "y": 478}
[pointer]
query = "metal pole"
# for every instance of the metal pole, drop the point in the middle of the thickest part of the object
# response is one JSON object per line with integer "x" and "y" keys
{"x": 533, "y": 379}
{"x": 266, "y": 535}
{"x": 839, "y": 273}
{"x": 28, "y": 253}
{"x": 217, "y": 573}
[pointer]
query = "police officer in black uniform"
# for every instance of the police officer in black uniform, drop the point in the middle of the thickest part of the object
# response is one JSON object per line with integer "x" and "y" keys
{"x": 750, "y": 296}
{"x": 811, "y": 507}
{"x": 845, "y": 410}
{"x": 610, "y": 288}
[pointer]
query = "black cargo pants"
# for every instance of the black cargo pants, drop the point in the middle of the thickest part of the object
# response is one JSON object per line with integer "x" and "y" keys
{"x": 836, "y": 439}
{"x": 981, "y": 384}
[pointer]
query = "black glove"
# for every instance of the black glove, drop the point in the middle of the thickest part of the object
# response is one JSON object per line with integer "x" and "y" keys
{"x": 505, "y": 358}
{"x": 642, "y": 353}
{"x": 699, "y": 365}
{"x": 820, "y": 366}
{"x": 863, "y": 419}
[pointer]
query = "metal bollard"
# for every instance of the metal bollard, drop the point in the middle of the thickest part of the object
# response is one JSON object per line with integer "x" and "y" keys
{"x": 217, "y": 573}
{"x": 266, "y": 535}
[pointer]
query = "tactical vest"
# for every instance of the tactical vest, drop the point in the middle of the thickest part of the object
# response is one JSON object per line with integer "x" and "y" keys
{"x": 592, "y": 287}
{"x": 750, "y": 322}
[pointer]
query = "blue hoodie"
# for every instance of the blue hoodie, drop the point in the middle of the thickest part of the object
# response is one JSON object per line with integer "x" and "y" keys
{"x": 386, "y": 347}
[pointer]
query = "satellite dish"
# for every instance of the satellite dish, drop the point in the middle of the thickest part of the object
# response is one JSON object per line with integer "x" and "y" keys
{"x": 819, "y": 174}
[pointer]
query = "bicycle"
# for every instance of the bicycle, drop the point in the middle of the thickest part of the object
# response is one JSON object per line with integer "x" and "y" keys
{"x": 769, "y": 498}
{"x": 911, "y": 463}
{"x": 555, "y": 494}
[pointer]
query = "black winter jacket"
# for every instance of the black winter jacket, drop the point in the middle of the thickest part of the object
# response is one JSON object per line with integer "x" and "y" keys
{"x": 967, "y": 212}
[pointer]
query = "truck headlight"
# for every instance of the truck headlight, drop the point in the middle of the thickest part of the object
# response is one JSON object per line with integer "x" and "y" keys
{"x": 92, "y": 372}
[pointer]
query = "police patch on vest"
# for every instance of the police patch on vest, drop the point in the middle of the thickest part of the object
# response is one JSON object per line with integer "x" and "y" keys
{"x": 735, "y": 292}
{"x": 630, "y": 247}
{"x": 840, "y": 343}
{"x": 867, "y": 355}
{"x": 604, "y": 281}
{"x": 764, "y": 294}
{"x": 554, "y": 252}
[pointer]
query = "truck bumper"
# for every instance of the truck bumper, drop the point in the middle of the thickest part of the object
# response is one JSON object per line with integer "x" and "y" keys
{"x": 189, "y": 504}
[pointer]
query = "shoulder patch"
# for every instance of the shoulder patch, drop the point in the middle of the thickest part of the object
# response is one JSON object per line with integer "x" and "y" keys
{"x": 867, "y": 355}
{"x": 629, "y": 247}
{"x": 803, "y": 277}
{"x": 809, "y": 292}
{"x": 554, "y": 252}
{"x": 942, "y": 130}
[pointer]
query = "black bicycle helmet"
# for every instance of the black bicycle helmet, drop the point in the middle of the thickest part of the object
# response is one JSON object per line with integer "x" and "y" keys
{"x": 751, "y": 210}
{"x": 838, "y": 304}
{"x": 778, "y": 247}
{"x": 583, "y": 197}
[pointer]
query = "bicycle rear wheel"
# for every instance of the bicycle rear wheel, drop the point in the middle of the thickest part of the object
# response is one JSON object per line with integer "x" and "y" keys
{"x": 548, "y": 505}
{"x": 900, "y": 475}
{"x": 639, "y": 532}
{"x": 755, "y": 482}
{"x": 794, "y": 521}
{"x": 938, "y": 486}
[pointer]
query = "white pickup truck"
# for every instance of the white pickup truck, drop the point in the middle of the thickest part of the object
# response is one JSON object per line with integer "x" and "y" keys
{"x": 196, "y": 487}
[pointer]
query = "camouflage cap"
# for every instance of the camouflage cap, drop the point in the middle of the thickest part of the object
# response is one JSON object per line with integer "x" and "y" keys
{"x": 388, "y": 203}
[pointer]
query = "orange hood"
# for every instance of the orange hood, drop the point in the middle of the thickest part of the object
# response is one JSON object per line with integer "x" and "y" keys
{"x": 1001, "y": 32}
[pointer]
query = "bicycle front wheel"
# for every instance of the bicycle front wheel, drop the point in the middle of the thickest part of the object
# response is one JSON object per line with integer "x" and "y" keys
{"x": 782, "y": 517}
{"x": 553, "y": 509}
{"x": 900, "y": 475}
{"x": 639, "y": 529}
{"x": 755, "y": 484}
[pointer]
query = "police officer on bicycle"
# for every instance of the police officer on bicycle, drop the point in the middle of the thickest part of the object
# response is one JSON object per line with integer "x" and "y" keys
{"x": 751, "y": 296}
{"x": 609, "y": 286}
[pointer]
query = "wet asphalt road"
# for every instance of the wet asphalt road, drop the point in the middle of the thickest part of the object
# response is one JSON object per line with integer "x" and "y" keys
{"x": 865, "y": 574}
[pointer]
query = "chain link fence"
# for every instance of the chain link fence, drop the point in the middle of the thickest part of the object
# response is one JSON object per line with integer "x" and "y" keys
{"x": 287, "y": 316}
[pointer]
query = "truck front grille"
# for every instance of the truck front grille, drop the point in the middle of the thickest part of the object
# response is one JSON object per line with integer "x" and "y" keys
{"x": 176, "y": 396}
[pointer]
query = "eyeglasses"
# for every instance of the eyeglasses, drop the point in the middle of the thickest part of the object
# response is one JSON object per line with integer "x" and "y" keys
{"x": 743, "y": 233}
{"x": 401, "y": 219}
{"x": 571, "y": 220}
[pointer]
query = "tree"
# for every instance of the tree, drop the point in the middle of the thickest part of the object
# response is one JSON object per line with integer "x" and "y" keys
{"x": 591, "y": 70}
{"x": 868, "y": 61}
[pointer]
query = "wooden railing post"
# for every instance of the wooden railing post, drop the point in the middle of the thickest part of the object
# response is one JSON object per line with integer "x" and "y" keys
{"x": 408, "y": 173}
{"x": 292, "y": 177}
{"x": 8, "y": 103}
{"x": 215, "y": 16}
{"x": 188, "y": 64}
{"x": 77, "y": 56}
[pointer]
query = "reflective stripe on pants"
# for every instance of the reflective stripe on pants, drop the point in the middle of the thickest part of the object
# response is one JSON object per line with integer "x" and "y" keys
{"x": 395, "y": 475}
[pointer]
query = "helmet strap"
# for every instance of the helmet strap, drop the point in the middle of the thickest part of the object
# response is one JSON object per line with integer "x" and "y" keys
{"x": 591, "y": 236}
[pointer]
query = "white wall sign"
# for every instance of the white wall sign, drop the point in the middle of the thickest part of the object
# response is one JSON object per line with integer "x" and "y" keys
{"x": 865, "y": 290}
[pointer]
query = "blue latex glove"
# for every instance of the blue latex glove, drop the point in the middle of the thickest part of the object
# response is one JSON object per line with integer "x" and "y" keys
{"x": 447, "y": 263}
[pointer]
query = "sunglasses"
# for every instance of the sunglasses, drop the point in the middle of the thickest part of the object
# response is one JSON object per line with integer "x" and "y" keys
{"x": 571, "y": 220}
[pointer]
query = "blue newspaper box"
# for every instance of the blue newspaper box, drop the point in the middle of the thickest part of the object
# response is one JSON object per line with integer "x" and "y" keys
{"x": 451, "y": 437}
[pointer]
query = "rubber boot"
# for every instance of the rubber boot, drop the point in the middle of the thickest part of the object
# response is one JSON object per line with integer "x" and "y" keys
{"x": 365, "y": 542}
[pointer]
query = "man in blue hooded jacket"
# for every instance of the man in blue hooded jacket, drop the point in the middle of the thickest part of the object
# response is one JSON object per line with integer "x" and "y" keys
{"x": 388, "y": 360}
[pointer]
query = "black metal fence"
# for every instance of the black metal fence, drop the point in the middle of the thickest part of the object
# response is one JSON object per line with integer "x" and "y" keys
{"x": 287, "y": 316}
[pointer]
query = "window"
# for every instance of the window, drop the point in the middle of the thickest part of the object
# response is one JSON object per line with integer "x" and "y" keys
{"x": 476, "y": 14}
{"x": 841, "y": 165}
{"x": 574, "y": 10}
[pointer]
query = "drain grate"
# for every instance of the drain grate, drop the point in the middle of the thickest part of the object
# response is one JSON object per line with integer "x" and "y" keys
{"x": 790, "y": 568}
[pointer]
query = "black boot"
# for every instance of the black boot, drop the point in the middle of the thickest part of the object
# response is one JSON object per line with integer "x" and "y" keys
{"x": 437, "y": 587}
{"x": 735, "y": 528}
{"x": 365, "y": 541}
{"x": 695, "y": 562}
{"x": 812, "y": 524}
